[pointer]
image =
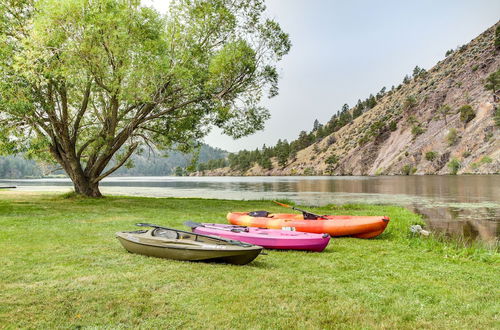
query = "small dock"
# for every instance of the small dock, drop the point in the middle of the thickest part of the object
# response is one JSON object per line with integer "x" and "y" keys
{"x": 11, "y": 187}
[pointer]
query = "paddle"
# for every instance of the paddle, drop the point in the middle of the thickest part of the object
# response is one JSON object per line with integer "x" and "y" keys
{"x": 307, "y": 215}
{"x": 230, "y": 241}
{"x": 193, "y": 224}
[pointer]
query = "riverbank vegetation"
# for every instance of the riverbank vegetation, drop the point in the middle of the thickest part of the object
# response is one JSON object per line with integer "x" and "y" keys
{"x": 62, "y": 267}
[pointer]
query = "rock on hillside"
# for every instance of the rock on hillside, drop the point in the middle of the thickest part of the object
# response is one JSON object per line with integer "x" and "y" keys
{"x": 417, "y": 128}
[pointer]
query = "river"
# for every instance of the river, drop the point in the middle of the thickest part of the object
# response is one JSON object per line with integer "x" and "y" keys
{"x": 467, "y": 206}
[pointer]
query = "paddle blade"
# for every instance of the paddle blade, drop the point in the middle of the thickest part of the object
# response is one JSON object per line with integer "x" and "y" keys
{"x": 284, "y": 205}
{"x": 192, "y": 224}
{"x": 145, "y": 225}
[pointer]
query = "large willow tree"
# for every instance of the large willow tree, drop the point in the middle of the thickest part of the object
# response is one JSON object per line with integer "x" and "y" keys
{"x": 87, "y": 83}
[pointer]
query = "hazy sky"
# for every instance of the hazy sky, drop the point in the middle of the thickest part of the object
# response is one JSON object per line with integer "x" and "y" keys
{"x": 344, "y": 50}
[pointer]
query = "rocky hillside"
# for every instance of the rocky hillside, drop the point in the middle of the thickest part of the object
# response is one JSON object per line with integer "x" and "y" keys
{"x": 440, "y": 121}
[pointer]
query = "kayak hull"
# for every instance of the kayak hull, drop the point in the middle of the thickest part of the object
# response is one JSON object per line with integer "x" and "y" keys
{"x": 187, "y": 248}
{"x": 336, "y": 225}
{"x": 267, "y": 238}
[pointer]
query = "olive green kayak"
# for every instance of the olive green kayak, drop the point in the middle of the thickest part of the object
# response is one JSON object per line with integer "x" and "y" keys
{"x": 177, "y": 244}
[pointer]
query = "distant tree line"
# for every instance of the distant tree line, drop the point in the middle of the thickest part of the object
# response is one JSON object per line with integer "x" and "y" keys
{"x": 16, "y": 167}
{"x": 146, "y": 164}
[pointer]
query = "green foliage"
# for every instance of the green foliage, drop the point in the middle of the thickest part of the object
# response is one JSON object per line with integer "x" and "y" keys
{"x": 483, "y": 161}
{"x": 14, "y": 167}
{"x": 106, "y": 78}
{"x": 496, "y": 115}
{"x": 486, "y": 160}
{"x": 419, "y": 72}
{"x": 452, "y": 136}
{"x": 444, "y": 110}
{"x": 408, "y": 169}
{"x": 179, "y": 171}
{"x": 393, "y": 125}
{"x": 417, "y": 130}
{"x": 410, "y": 102}
{"x": 454, "y": 165}
{"x": 264, "y": 158}
{"x": 497, "y": 37}
{"x": 449, "y": 52}
{"x": 466, "y": 154}
{"x": 466, "y": 113}
{"x": 431, "y": 155}
{"x": 492, "y": 84}
{"x": 332, "y": 159}
{"x": 308, "y": 171}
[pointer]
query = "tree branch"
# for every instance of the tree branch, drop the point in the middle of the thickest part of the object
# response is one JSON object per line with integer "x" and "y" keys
{"x": 81, "y": 112}
{"x": 117, "y": 166}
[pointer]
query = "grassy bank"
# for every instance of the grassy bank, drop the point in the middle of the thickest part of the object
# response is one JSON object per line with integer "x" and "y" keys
{"x": 62, "y": 266}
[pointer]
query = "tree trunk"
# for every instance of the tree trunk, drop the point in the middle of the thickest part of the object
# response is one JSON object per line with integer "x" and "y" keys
{"x": 85, "y": 186}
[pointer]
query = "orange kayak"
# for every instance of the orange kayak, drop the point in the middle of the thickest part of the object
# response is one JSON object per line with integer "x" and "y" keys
{"x": 336, "y": 225}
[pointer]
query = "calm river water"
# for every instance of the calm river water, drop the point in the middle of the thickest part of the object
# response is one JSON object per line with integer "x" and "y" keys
{"x": 458, "y": 205}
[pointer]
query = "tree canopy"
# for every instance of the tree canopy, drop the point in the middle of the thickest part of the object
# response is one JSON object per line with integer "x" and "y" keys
{"x": 87, "y": 83}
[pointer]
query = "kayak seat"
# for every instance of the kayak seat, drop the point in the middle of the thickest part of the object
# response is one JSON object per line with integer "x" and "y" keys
{"x": 259, "y": 214}
{"x": 170, "y": 234}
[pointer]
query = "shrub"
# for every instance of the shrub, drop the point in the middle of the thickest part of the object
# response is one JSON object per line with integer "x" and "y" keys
{"x": 493, "y": 83}
{"x": 364, "y": 140}
{"x": 444, "y": 111}
{"x": 496, "y": 115}
{"x": 486, "y": 160}
{"x": 452, "y": 136}
{"x": 393, "y": 125}
{"x": 408, "y": 169}
{"x": 454, "y": 166}
{"x": 449, "y": 52}
{"x": 431, "y": 155}
{"x": 417, "y": 130}
{"x": 410, "y": 102}
{"x": 466, "y": 154}
{"x": 333, "y": 159}
{"x": 308, "y": 171}
{"x": 497, "y": 37}
{"x": 488, "y": 136}
{"x": 412, "y": 120}
{"x": 466, "y": 113}
{"x": 331, "y": 140}
{"x": 475, "y": 67}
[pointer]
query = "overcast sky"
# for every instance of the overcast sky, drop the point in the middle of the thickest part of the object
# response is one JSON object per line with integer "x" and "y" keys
{"x": 344, "y": 50}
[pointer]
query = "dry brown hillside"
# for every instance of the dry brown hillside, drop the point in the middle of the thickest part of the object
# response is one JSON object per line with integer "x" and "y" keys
{"x": 416, "y": 128}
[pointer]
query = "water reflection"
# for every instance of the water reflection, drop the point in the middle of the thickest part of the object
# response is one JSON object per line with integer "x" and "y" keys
{"x": 465, "y": 205}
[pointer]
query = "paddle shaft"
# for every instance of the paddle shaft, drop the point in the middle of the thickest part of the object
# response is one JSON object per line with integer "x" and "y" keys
{"x": 300, "y": 210}
{"x": 193, "y": 224}
{"x": 230, "y": 241}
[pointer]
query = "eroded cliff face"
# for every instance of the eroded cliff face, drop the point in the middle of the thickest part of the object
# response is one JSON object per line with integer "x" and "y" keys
{"x": 408, "y": 132}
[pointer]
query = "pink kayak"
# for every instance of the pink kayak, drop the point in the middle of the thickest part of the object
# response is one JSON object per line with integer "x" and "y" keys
{"x": 268, "y": 238}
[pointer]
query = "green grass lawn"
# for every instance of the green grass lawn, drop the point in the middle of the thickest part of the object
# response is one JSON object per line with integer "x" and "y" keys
{"x": 61, "y": 266}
